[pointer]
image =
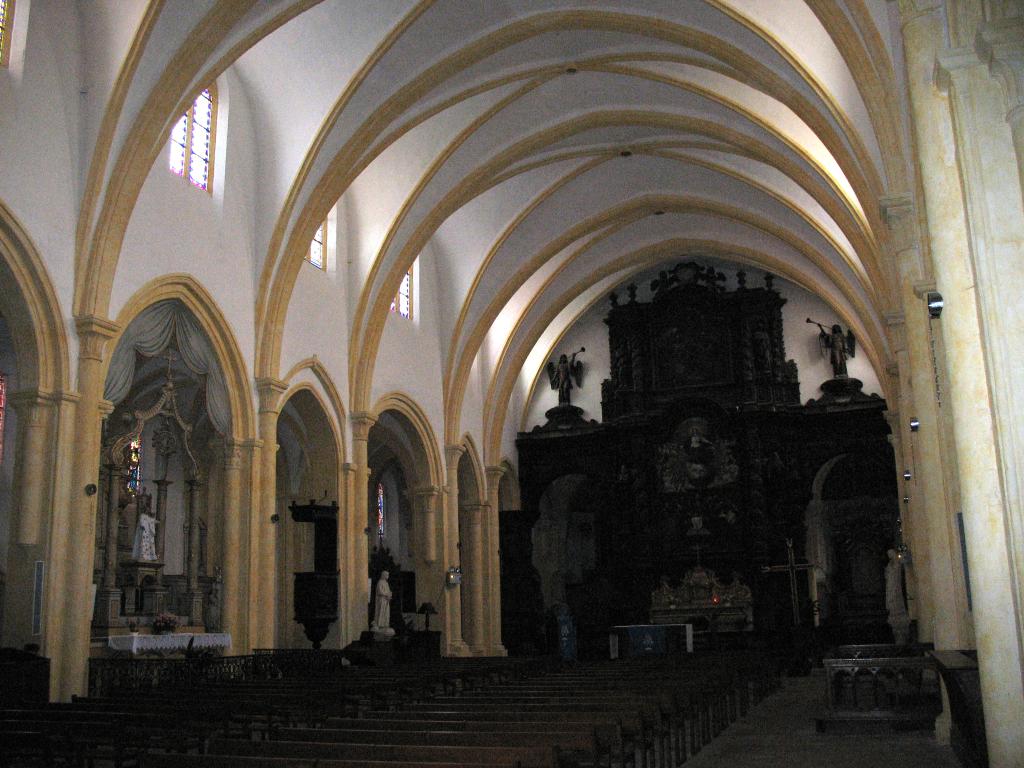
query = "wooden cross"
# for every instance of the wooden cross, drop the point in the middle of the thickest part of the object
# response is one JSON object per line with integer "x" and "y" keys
{"x": 791, "y": 567}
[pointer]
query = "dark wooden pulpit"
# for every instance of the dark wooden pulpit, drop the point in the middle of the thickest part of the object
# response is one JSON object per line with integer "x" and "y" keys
{"x": 316, "y": 591}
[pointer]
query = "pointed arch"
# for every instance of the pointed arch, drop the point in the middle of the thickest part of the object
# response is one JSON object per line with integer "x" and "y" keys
{"x": 472, "y": 455}
{"x": 403, "y": 404}
{"x": 315, "y": 366}
{"x": 30, "y": 305}
{"x": 203, "y": 307}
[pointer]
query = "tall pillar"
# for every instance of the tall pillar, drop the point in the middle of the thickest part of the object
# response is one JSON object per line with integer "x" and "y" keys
{"x": 31, "y": 410}
{"x": 263, "y": 572}
{"x": 231, "y": 556}
{"x": 69, "y": 555}
{"x": 451, "y": 612}
{"x": 425, "y": 512}
{"x": 361, "y": 423}
{"x": 492, "y": 540}
{"x": 930, "y": 467}
{"x": 474, "y": 578}
{"x": 962, "y": 203}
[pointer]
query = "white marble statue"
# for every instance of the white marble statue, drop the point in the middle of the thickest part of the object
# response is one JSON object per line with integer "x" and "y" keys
{"x": 895, "y": 605}
{"x": 144, "y": 545}
{"x": 381, "y": 624}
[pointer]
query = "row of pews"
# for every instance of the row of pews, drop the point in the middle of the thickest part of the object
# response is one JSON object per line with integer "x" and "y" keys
{"x": 640, "y": 713}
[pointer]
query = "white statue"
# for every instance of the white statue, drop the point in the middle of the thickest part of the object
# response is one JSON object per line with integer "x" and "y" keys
{"x": 212, "y": 612}
{"x": 381, "y": 624}
{"x": 144, "y": 545}
{"x": 894, "y": 602}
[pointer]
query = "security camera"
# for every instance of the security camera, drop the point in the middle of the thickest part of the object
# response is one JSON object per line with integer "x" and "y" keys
{"x": 935, "y": 304}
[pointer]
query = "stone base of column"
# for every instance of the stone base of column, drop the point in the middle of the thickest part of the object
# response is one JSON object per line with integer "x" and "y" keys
{"x": 458, "y": 648}
{"x": 497, "y": 650}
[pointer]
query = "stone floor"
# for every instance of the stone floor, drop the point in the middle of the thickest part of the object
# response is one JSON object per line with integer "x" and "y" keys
{"x": 780, "y": 732}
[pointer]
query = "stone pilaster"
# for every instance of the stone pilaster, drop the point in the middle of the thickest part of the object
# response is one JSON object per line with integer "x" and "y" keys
{"x": 231, "y": 555}
{"x": 74, "y": 561}
{"x": 361, "y": 424}
{"x": 475, "y": 577}
{"x": 492, "y": 542}
{"x": 263, "y": 571}
{"x": 451, "y": 612}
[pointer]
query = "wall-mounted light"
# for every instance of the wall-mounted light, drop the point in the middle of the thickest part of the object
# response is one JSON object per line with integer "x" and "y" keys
{"x": 914, "y": 424}
{"x": 453, "y": 576}
{"x": 906, "y": 499}
{"x": 906, "y": 474}
{"x": 275, "y": 517}
{"x": 935, "y": 304}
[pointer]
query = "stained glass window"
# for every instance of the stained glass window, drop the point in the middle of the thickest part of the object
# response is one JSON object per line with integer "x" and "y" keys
{"x": 134, "y": 477}
{"x": 402, "y": 303}
{"x": 317, "y": 248}
{"x": 380, "y": 511}
{"x": 192, "y": 141}
{"x": 3, "y": 411}
{"x": 6, "y": 16}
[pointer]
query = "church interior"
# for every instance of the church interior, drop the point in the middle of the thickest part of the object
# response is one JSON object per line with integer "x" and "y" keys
{"x": 486, "y": 331}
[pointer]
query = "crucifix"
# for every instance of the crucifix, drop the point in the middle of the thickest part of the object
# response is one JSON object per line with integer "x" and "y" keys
{"x": 792, "y": 567}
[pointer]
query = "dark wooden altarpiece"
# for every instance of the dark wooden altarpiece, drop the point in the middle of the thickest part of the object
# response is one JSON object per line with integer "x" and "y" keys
{"x": 705, "y": 454}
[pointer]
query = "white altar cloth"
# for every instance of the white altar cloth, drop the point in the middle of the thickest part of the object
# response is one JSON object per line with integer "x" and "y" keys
{"x": 164, "y": 645}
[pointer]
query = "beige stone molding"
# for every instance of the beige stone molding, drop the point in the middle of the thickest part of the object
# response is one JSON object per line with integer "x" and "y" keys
{"x": 922, "y": 288}
{"x": 452, "y": 454}
{"x": 93, "y": 333}
{"x": 270, "y": 391}
{"x": 951, "y": 62}
{"x": 361, "y": 422}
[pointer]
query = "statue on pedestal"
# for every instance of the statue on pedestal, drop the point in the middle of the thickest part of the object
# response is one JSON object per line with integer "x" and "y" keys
{"x": 894, "y": 602}
{"x": 839, "y": 347}
{"x": 144, "y": 545}
{"x": 564, "y": 373}
{"x": 381, "y": 625}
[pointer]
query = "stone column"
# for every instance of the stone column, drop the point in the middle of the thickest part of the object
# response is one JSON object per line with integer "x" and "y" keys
{"x": 232, "y": 542}
{"x": 451, "y": 611}
{"x": 195, "y": 594}
{"x": 31, "y": 410}
{"x": 263, "y": 572}
{"x": 475, "y": 578}
{"x": 161, "y": 524}
{"x": 425, "y": 513}
{"x": 961, "y": 202}
{"x": 492, "y": 542}
{"x": 74, "y": 555}
{"x": 361, "y": 423}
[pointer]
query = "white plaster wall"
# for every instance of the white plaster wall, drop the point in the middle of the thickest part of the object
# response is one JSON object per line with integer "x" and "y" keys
{"x": 409, "y": 357}
{"x": 178, "y": 228}
{"x": 317, "y": 322}
{"x": 801, "y": 345}
{"x": 471, "y": 417}
{"x": 39, "y": 177}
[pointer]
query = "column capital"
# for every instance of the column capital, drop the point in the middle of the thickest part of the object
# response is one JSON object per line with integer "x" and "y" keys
{"x": 232, "y": 454}
{"x": 452, "y": 453}
{"x": 93, "y": 333}
{"x": 361, "y": 422}
{"x": 952, "y": 63}
{"x": 270, "y": 391}
{"x": 896, "y": 323}
{"x": 495, "y": 474}
{"x": 912, "y": 10}
{"x": 475, "y": 512}
{"x": 26, "y": 399}
{"x": 1000, "y": 44}
{"x": 421, "y": 491}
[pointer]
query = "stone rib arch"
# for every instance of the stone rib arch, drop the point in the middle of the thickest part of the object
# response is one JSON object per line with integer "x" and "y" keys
{"x": 317, "y": 369}
{"x": 30, "y": 304}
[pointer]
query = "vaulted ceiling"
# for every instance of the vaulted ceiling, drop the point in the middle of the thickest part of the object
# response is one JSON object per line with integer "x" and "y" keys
{"x": 538, "y": 151}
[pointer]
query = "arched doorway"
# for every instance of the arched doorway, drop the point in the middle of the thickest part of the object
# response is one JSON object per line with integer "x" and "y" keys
{"x": 307, "y": 469}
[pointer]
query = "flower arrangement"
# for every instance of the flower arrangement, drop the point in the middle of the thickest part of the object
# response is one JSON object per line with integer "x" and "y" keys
{"x": 165, "y": 622}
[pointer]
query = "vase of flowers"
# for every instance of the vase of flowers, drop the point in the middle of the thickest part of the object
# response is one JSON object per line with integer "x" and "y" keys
{"x": 164, "y": 623}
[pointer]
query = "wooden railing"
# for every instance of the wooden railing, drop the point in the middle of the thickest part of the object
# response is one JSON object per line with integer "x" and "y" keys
{"x": 900, "y": 692}
{"x": 107, "y": 675}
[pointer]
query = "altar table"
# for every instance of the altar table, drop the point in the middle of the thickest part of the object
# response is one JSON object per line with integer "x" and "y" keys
{"x": 169, "y": 644}
{"x": 649, "y": 639}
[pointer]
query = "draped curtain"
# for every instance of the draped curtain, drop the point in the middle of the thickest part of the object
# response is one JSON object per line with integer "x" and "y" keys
{"x": 151, "y": 333}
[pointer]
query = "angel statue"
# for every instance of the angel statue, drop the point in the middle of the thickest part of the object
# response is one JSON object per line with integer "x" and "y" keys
{"x": 564, "y": 373}
{"x": 839, "y": 347}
